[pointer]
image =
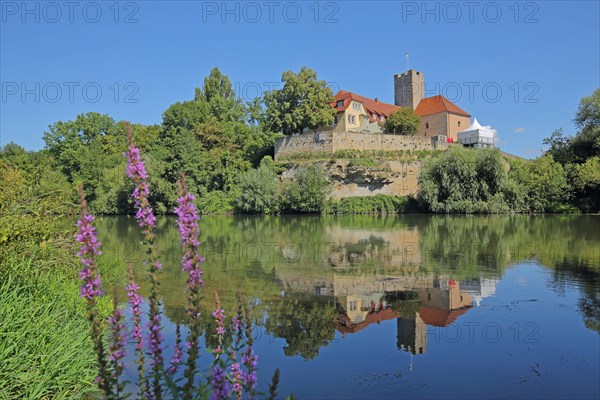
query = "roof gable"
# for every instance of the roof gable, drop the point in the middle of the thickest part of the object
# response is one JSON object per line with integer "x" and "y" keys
{"x": 438, "y": 104}
{"x": 371, "y": 106}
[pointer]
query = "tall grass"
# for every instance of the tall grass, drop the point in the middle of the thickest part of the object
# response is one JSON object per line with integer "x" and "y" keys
{"x": 45, "y": 350}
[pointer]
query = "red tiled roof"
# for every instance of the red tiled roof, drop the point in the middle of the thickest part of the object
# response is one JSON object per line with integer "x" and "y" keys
{"x": 373, "y": 317}
{"x": 438, "y": 317}
{"x": 438, "y": 104}
{"x": 371, "y": 106}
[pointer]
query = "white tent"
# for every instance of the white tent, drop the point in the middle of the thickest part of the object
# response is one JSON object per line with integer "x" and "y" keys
{"x": 477, "y": 135}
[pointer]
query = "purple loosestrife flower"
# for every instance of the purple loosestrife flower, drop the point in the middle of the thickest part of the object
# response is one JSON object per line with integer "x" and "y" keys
{"x": 155, "y": 340}
{"x": 219, "y": 315}
{"x": 187, "y": 218}
{"x": 187, "y": 222}
{"x": 135, "y": 303}
{"x": 90, "y": 246}
{"x": 136, "y": 170}
{"x": 176, "y": 360}
{"x": 91, "y": 288}
{"x": 219, "y": 384}
{"x": 236, "y": 376}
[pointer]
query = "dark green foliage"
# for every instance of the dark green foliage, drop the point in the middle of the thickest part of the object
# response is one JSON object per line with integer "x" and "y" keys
{"x": 543, "y": 183}
{"x": 208, "y": 138}
{"x": 579, "y": 154}
{"x": 259, "y": 189}
{"x": 402, "y": 122}
{"x": 307, "y": 192}
{"x": 273, "y": 385}
{"x": 304, "y": 102}
{"x": 305, "y": 322}
{"x": 465, "y": 181}
{"x": 377, "y": 205}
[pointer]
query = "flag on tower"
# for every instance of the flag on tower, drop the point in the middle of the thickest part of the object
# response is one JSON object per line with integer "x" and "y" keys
{"x": 406, "y": 55}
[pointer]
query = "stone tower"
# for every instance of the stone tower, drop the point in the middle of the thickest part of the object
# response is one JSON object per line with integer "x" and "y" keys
{"x": 411, "y": 335}
{"x": 409, "y": 88}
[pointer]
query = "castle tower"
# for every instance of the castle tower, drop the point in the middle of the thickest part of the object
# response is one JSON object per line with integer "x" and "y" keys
{"x": 411, "y": 335}
{"x": 409, "y": 88}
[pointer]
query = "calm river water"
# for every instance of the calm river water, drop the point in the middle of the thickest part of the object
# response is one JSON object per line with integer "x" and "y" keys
{"x": 400, "y": 307}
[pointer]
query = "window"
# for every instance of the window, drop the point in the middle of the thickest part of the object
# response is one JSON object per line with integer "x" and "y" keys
{"x": 459, "y": 123}
{"x": 382, "y": 118}
{"x": 365, "y": 120}
{"x": 374, "y": 116}
{"x": 351, "y": 119}
{"x": 352, "y": 306}
{"x": 355, "y": 106}
{"x": 340, "y": 103}
{"x": 335, "y": 120}
{"x": 426, "y": 125}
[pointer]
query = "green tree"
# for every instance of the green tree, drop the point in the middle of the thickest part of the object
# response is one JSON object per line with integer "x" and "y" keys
{"x": 402, "y": 122}
{"x": 465, "y": 181}
{"x": 586, "y": 182}
{"x": 217, "y": 92}
{"x": 305, "y": 322}
{"x": 259, "y": 189}
{"x": 304, "y": 102}
{"x": 308, "y": 190}
{"x": 544, "y": 183}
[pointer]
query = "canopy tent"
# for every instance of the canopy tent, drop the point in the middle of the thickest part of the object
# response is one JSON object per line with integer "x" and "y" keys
{"x": 477, "y": 135}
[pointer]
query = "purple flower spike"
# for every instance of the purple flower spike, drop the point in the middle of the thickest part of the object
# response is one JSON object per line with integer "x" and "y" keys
{"x": 90, "y": 247}
{"x": 187, "y": 218}
{"x": 220, "y": 386}
{"x": 136, "y": 170}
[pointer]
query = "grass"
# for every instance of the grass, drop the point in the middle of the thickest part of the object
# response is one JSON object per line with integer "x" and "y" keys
{"x": 45, "y": 349}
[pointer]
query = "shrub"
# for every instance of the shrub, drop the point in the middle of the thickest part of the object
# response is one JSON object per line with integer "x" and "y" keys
{"x": 379, "y": 204}
{"x": 308, "y": 191}
{"x": 259, "y": 191}
{"x": 464, "y": 181}
{"x": 543, "y": 181}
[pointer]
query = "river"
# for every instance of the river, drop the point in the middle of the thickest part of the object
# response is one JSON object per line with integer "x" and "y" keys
{"x": 411, "y": 306}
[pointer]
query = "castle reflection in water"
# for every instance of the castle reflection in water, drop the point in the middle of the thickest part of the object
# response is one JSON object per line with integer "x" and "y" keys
{"x": 414, "y": 298}
{"x": 415, "y": 301}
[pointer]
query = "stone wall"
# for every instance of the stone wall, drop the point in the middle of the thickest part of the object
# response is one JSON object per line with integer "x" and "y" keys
{"x": 331, "y": 141}
{"x": 378, "y": 141}
{"x": 305, "y": 143}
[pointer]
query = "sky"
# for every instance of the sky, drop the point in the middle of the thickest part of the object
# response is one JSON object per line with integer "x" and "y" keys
{"x": 518, "y": 66}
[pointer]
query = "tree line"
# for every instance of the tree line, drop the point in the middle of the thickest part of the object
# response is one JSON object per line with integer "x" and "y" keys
{"x": 225, "y": 147}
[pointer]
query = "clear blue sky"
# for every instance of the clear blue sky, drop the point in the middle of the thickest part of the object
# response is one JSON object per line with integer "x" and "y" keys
{"x": 542, "y": 55}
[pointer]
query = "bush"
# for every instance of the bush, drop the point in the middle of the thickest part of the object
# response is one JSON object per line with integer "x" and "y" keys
{"x": 216, "y": 202}
{"x": 379, "y": 204}
{"x": 259, "y": 189}
{"x": 466, "y": 181}
{"x": 307, "y": 192}
{"x": 543, "y": 182}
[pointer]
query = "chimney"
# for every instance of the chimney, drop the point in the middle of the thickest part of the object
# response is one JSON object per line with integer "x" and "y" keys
{"x": 376, "y": 100}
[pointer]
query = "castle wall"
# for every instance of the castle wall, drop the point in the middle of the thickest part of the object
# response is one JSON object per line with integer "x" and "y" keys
{"x": 369, "y": 141}
{"x": 305, "y": 143}
{"x": 331, "y": 141}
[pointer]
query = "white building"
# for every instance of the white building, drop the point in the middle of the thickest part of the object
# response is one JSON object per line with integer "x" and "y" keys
{"x": 477, "y": 136}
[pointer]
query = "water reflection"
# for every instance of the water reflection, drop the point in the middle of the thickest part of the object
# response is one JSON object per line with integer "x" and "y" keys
{"x": 317, "y": 281}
